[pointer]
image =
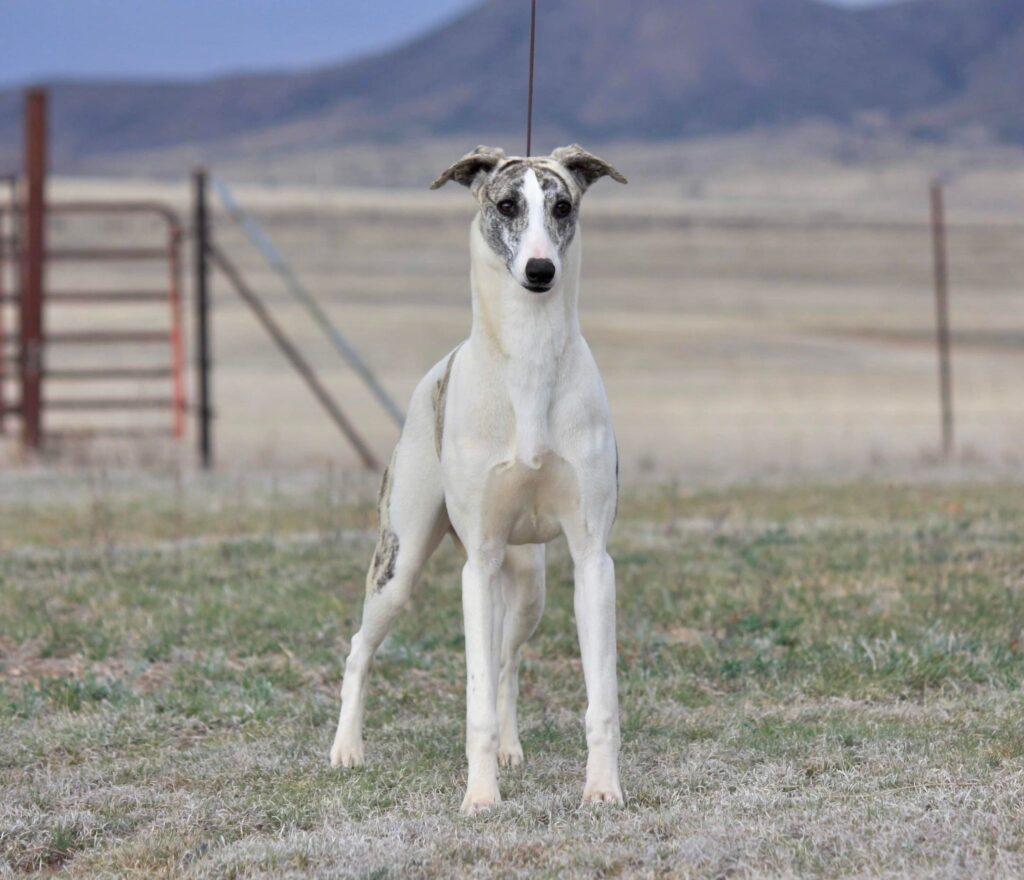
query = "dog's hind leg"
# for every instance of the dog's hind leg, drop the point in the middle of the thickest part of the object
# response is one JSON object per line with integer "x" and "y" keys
{"x": 523, "y": 593}
{"x": 412, "y": 522}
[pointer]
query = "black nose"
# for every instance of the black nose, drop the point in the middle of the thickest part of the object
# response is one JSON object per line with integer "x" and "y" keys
{"x": 540, "y": 272}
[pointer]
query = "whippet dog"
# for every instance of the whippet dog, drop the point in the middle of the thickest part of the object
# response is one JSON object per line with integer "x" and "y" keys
{"x": 508, "y": 443}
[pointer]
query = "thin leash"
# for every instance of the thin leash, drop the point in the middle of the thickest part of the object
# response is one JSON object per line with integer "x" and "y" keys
{"x": 529, "y": 99}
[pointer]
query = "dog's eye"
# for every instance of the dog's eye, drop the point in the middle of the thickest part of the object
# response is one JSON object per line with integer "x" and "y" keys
{"x": 563, "y": 208}
{"x": 507, "y": 208}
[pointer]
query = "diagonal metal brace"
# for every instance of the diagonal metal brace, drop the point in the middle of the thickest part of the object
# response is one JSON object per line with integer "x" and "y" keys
{"x": 277, "y": 262}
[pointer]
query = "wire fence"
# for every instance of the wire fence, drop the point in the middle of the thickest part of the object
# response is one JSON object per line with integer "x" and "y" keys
{"x": 731, "y": 338}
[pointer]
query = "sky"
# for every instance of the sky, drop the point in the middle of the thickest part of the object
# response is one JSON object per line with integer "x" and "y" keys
{"x": 189, "y": 38}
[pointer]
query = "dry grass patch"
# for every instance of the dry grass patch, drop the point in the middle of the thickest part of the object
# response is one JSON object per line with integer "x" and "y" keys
{"x": 816, "y": 681}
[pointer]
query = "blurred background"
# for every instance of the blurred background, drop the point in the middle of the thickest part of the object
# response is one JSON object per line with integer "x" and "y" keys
{"x": 813, "y": 187}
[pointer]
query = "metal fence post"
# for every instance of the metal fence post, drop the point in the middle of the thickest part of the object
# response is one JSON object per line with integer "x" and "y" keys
{"x": 201, "y": 258}
{"x": 942, "y": 315}
{"x": 5, "y": 242}
{"x": 33, "y": 257}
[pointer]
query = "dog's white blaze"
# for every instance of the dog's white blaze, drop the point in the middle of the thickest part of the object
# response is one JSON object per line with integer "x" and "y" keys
{"x": 536, "y": 243}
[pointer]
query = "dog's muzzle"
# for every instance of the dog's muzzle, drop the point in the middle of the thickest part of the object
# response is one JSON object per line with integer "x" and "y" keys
{"x": 539, "y": 275}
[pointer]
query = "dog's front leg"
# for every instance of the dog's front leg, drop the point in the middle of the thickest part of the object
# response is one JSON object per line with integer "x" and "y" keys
{"x": 594, "y": 603}
{"x": 481, "y": 581}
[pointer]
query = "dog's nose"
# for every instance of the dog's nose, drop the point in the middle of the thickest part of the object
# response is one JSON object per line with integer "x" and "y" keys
{"x": 540, "y": 272}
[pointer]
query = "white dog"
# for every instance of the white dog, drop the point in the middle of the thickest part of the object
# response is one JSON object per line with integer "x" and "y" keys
{"x": 508, "y": 444}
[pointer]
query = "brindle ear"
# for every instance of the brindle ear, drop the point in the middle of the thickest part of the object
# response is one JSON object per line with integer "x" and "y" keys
{"x": 469, "y": 166}
{"x": 586, "y": 167}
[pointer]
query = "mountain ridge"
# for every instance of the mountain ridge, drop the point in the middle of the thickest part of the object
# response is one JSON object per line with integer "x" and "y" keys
{"x": 647, "y": 70}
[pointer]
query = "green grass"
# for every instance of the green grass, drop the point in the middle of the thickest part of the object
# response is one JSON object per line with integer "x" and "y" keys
{"x": 816, "y": 681}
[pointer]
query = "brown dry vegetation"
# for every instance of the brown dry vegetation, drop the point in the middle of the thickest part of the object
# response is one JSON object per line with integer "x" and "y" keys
{"x": 776, "y": 321}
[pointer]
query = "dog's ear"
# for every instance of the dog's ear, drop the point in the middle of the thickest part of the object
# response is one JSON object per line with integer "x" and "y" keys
{"x": 465, "y": 171}
{"x": 586, "y": 167}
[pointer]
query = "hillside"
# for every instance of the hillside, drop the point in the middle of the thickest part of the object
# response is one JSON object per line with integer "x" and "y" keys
{"x": 646, "y": 70}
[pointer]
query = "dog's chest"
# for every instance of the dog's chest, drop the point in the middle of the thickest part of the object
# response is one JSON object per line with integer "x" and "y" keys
{"x": 529, "y": 502}
{"x": 519, "y": 427}
{"x": 508, "y": 466}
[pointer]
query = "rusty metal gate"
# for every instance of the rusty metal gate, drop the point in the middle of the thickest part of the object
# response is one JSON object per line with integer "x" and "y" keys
{"x": 39, "y": 294}
{"x": 33, "y": 382}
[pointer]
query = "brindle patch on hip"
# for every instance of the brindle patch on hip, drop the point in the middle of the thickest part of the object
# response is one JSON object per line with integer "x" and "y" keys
{"x": 385, "y": 556}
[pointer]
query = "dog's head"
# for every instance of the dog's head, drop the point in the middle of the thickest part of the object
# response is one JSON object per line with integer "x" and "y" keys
{"x": 529, "y": 207}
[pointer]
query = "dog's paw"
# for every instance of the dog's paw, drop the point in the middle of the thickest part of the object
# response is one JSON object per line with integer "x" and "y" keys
{"x": 602, "y": 796}
{"x": 475, "y": 803}
{"x": 510, "y": 756}
{"x": 347, "y": 755}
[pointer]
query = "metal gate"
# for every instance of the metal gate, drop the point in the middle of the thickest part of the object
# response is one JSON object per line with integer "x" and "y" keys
{"x": 33, "y": 382}
{"x": 27, "y": 356}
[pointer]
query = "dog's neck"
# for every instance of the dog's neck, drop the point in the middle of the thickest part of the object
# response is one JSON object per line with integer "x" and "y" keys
{"x": 524, "y": 337}
{"x": 510, "y": 322}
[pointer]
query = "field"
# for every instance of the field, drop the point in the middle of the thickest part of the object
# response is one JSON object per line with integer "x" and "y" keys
{"x": 817, "y": 680}
{"x": 820, "y": 621}
{"x": 748, "y": 319}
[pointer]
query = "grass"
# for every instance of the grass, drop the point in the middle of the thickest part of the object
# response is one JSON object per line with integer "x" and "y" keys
{"x": 816, "y": 681}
